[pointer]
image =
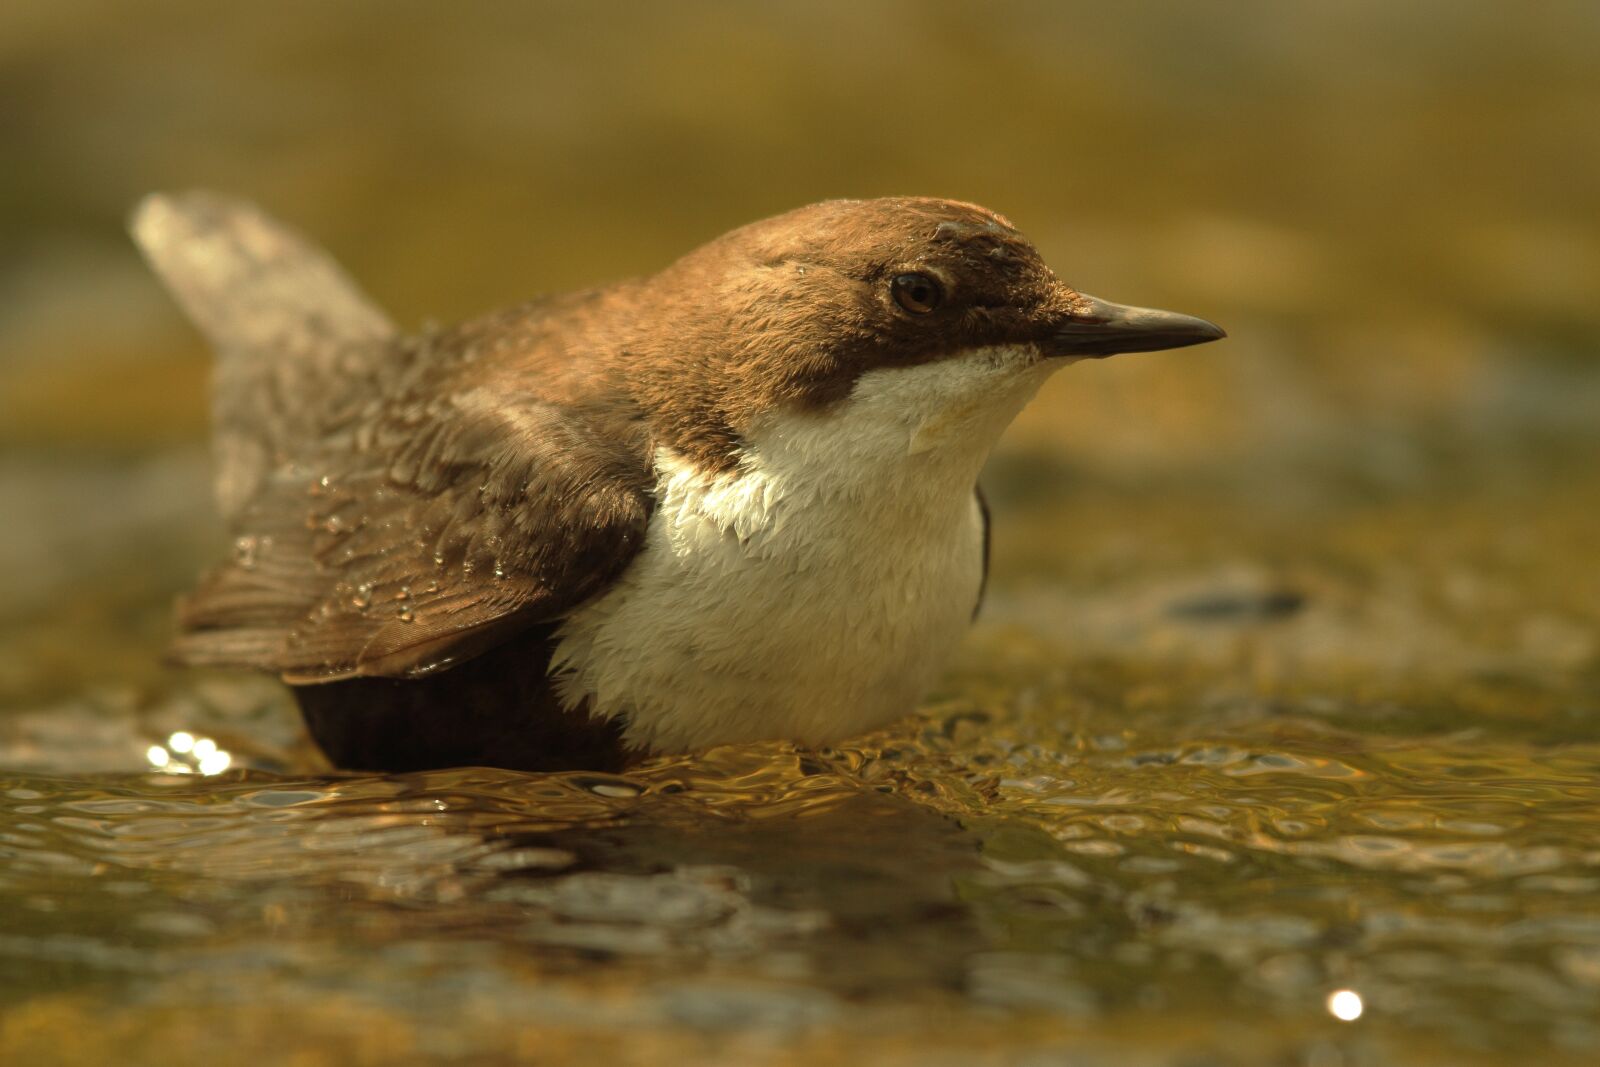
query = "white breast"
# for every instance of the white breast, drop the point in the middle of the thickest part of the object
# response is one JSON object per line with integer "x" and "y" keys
{"x": 818, "y": 590}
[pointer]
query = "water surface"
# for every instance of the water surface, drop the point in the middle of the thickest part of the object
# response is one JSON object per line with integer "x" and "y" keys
{"x": 1161, "y": 812}
{"x": 1288, "y": 683}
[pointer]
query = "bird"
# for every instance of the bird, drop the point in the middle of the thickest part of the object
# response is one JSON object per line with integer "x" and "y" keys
{"x": 732, "y": 501}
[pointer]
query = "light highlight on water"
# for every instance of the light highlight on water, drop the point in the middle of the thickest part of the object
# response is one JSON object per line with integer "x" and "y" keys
{"x": 1345, "y": 1005}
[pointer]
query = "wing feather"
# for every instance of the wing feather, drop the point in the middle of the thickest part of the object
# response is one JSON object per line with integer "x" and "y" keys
{"x": 399, "y": 503}
{"x": 494, "y": 514}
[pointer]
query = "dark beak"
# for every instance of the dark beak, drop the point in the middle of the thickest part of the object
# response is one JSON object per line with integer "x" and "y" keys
{"x": 1105, "y": 329}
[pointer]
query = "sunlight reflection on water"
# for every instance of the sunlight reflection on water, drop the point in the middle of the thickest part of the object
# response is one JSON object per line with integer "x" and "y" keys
{"x": 1284, "y": 691}
{"x": 778, "y": 865}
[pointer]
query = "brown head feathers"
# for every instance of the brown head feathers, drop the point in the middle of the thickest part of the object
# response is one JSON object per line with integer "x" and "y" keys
{"x": 794, "y": 309}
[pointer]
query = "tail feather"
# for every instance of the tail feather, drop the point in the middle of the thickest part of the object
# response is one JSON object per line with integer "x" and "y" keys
{"x": 278, "y": 310}
{"x": 249, "y": 282}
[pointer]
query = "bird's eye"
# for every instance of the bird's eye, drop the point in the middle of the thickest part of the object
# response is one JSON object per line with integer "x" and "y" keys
{"x": 917, "y": 293}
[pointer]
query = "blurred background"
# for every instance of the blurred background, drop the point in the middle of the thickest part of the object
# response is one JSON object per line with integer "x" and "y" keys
{"x": 1376, "y": 507}
{"x": 1392, "y": 207}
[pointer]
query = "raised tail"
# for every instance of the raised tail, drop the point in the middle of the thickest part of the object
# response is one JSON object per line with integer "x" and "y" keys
{"x": 277, "y": 309}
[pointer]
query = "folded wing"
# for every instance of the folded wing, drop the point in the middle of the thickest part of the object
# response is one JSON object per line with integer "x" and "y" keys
{"x": 488, "y": 514}
{"x": 399, "y": 504}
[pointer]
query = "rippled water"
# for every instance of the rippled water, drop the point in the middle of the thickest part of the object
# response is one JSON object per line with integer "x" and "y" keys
{"x": 1063, "y": 864}
{"x": 1207, "y": 773}
{"x": 1177, "y": 796}
{"x": 1285, "y": 704}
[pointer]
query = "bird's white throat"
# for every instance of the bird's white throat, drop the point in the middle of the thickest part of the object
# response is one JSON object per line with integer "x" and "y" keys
{"x": 817, "y": 590}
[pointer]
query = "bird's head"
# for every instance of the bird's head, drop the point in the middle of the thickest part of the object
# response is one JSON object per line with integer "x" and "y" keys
{"x": 920, "y": 306}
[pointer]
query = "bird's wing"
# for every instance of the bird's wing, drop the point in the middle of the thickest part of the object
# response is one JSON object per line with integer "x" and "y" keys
{"x": 436, "y": 525}
{"x": 398, "y": 504}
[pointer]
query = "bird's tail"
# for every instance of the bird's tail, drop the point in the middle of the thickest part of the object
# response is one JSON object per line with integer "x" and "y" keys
{"x": 275, "y": 307}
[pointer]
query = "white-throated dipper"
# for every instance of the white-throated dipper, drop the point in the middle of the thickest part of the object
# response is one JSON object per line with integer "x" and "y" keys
{"x": 732, "y": 501}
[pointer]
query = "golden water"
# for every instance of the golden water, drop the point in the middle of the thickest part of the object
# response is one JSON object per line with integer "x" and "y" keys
{"x": 1286, "y": 697}
{"x": 1149, "y": 817}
